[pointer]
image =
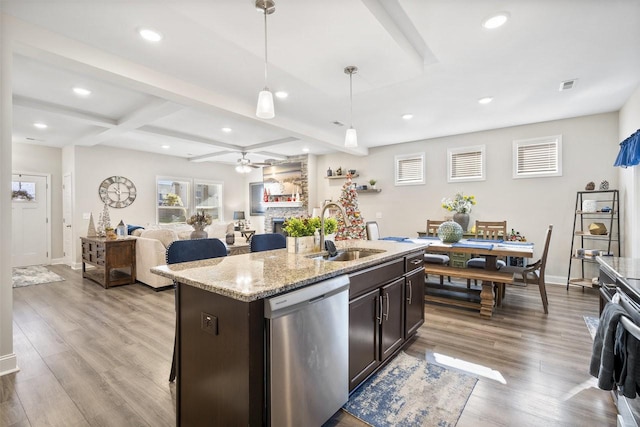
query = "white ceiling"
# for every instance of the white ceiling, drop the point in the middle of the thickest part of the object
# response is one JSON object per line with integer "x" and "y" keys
{"x": 431, "y": 58}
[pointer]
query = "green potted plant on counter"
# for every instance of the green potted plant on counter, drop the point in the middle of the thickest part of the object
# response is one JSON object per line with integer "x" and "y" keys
{"x": 302, "y": 233}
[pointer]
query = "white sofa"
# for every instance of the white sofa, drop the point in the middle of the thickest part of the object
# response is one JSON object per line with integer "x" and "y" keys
{"x": 152, "y": 243}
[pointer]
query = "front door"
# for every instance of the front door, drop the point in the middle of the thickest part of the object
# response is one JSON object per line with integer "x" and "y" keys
{"x": 30, "y": 227}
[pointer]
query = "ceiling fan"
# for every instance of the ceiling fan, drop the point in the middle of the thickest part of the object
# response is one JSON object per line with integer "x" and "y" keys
{"x": 244, "y": 165}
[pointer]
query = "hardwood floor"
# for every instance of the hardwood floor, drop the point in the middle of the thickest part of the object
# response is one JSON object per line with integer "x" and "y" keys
{"x": 100, "y": 357}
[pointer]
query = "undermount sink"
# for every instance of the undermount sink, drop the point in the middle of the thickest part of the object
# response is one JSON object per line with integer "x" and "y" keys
{"x": 349, "y": 254}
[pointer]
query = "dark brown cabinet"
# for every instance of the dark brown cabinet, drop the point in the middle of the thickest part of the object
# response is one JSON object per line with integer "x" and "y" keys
{"x": 381, "y": 314}
{"x": 414, "y": 301}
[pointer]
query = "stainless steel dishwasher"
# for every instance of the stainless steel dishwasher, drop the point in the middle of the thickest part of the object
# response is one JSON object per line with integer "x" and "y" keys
{"x": 308, "y": 353}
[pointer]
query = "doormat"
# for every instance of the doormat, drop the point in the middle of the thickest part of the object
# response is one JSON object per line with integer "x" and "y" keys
{"x": 33, "y": 275}
{"x": 592, "y": 325}
{"x": 411, "y": 392}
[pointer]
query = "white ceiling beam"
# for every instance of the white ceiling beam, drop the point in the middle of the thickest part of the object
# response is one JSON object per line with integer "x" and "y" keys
{"x": 181, "y": 136}
{"x": 271, "y": 143}
{"x": 61, "y": 110}
{"x": 395, "y": 20}
{"x": 149, "y": 113}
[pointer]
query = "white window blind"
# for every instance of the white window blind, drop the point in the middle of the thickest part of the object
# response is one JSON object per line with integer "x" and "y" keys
{"x": 537, "y": 157}
{"x": 466, "y": 164}
{"x": 410, "y": 169}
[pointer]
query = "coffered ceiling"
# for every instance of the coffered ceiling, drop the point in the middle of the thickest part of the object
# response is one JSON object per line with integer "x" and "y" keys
{"x": 429, "y": 58}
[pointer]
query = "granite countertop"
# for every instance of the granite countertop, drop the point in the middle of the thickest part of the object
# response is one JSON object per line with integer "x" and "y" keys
{"x": 258, "y": 275}
{"x": 624, "y": 268}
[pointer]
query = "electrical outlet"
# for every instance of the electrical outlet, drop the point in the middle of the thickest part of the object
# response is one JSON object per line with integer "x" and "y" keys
{"x": 86, "y": 215}
{"x": 209, "y": 323}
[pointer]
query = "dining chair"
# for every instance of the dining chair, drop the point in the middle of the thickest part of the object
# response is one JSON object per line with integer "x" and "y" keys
{"x": 488, "y": 230}
{"x": 267, "y": 242}
{"x": 441, "y": 259}
{"x": 191, "y": 250}
{"x": 534, "y": 273}
{"x": 373, "y": 231}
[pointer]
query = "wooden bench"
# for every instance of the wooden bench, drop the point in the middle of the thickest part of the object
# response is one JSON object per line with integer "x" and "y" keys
{"x": 493, "y": 276}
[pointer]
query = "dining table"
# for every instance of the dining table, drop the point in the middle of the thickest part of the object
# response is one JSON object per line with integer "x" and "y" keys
{"x": 491, "y": 250}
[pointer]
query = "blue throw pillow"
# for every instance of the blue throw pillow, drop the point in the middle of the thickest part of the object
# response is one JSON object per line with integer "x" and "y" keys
{"x": 131, "y": 228}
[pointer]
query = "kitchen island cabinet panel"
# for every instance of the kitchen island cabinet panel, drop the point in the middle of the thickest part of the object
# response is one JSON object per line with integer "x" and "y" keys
{"x": 223, "y": 335}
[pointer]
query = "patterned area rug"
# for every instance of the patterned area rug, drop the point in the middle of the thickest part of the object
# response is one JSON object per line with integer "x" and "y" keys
{"x": 412, "y": 392}
{"x": 33, "y": 275}
{"x": 592, "y": 325}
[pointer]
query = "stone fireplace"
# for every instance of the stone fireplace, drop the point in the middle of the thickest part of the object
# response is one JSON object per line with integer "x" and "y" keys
{"x": 278, "y": 214}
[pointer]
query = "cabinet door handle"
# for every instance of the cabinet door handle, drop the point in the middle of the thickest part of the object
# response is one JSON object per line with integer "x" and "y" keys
{"x": 410, "y": 292}
{"x": 416, "y": 261}
{"x": 386, "y": 315}
{"x": 379, "y": 317}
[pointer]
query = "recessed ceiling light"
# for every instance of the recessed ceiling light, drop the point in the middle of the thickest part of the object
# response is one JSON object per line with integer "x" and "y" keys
{"x": 485, "y": 100}
{"x": 305, "y": 150}
{"x": 166, "y": 147}
{"x": 150, "y": 35}
{"x": 226, "y": 130}
{"x": 40, "y": 125}
{"x": 495, "y": 21}
{"x": 80, "y": 91}
{"x": 407, "y": 116}
{"x": 281, "y": 94}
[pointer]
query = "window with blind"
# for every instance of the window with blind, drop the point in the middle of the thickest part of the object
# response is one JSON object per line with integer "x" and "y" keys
{"x": 466, "y": 164}
{"x": 538, "y": 157}
{"x": 410, "y": 169}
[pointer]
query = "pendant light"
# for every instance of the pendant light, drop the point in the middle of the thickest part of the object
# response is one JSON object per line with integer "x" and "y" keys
{"x": 265, "y": 108}
{"x": 351, "y": 138}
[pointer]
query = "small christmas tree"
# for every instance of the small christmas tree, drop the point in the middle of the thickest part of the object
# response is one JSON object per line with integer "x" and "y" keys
{"x": 349, "y": 201}
{"x": 104, "y": 221}
{"x": 91, "y": 232}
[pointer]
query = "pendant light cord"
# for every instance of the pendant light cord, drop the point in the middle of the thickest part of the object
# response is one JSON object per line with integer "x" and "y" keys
{"x": 351, "y": 99}
{"x": 265, "y": 45}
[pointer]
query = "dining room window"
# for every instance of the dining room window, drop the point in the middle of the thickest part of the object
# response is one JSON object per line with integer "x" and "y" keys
{"x": 409, "y": 169}
{"x": 466, "y": 164}
{"x": 537, "y": 157}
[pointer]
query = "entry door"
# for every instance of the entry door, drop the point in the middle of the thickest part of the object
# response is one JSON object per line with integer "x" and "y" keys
{"x": 29, "y": 215}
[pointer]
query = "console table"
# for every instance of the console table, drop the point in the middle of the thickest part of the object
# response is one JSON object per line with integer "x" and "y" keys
{"x": 114, "y": 260}
{"x": 239, "y": 248}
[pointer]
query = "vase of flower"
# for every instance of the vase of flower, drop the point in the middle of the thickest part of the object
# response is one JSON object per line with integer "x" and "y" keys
{"x": 462, "y": 218}
{"x": 461, "y": 205}
{"x": 199, "y": 221}
{"x": 198, "y": 232}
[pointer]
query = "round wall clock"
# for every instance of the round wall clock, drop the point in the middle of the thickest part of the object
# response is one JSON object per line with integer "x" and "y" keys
{"x": 117, "y": 191}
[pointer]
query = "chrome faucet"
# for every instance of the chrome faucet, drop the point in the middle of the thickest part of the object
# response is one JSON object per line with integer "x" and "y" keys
{"x": 322, "y": 211}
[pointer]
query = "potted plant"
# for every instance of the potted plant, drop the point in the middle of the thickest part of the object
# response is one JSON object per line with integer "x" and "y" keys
{"x": 372, "y": 183}
{"x": 301, "y": 232}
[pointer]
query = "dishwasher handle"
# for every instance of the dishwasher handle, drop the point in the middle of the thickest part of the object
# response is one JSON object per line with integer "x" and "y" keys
{"x": 292, "y": 301}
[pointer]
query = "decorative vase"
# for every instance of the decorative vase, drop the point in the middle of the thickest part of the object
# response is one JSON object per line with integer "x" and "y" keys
{"x": 230, "y": 238}
{"x": 300, "y": 245}
{"x": 450, "y": 232}
{"x": 462, "y": 219}
{"x": 198, "y": 232}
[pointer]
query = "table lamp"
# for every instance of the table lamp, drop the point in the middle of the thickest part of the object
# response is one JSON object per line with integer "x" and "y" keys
{"x": 239, "y": 216}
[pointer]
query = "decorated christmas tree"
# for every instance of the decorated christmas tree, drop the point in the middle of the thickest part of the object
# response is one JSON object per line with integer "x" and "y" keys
{"x": 349, "y": 201}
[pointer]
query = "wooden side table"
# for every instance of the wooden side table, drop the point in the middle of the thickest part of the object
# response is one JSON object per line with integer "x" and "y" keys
{"x": 247, "y": 234}
{"x": 114, "y": 260}
{"x": 239, "y": 249}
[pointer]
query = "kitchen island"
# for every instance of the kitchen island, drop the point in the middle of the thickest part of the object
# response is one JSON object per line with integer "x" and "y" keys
{"x": 222, "y": 341}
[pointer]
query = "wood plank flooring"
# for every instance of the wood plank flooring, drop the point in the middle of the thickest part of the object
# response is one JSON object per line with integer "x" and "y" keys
{"x": 95, "y": 357}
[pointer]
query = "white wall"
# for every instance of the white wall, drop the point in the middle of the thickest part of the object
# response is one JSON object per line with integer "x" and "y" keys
{"x": 528, "y": 205}
{"x": 91, "y": 165}
{"x": 44, "y": 160}
{"x": 630, "y": 179}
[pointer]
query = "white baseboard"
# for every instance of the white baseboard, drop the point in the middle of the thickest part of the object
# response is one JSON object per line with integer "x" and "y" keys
{"x": 56, "y": 261}
{"x": 8, "y": 364}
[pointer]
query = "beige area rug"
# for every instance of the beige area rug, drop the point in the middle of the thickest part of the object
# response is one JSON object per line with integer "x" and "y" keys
{"x": 33, "y": 275}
